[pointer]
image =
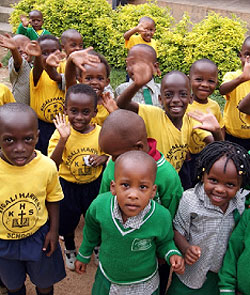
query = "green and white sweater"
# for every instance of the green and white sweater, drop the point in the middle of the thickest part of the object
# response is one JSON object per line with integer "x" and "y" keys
{"x": 129, "y": 255}
{"x": 235, "y": 272}
{"x": 169, "y": 188}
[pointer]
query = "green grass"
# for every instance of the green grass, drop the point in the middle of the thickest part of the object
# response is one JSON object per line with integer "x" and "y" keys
{"x": 6, "y": 58}
{"x": 117, "y": 77}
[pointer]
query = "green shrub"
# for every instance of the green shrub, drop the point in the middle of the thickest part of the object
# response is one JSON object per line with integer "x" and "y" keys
{"x": 179, "y": 44}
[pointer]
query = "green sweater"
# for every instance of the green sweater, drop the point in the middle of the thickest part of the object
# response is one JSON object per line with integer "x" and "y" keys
{"x": 127, "y": 255}
{"x": 235, "y": 272}
{"x": 30, "y": 32}
{"x": 169, "y": 188}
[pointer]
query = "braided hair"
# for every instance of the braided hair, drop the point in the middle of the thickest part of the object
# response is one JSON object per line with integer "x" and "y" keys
{"x": 231, "y": 151}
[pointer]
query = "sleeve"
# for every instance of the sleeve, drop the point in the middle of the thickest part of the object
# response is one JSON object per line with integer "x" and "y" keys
{"x": 228, "y": 77}
{"x": 219, "y": 118}
{"x": 22, "y": 30}
{"x": 53, "y": 142}
{"x": 7, "y": 96}
{"x": 182, "y": 218}
{"x": 228, "y": 272}
{"x": 202, "y": 134}
{"x": 170, "y": 188}
{"x": 165, "y": 245}
{"x": 54, "y": 189}
{"x": 130, "y": 42}
{"x": 107, "y": 177}
{"x": 91, "y": 234}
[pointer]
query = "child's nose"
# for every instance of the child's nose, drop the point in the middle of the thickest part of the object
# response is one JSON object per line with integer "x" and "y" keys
{"x": 220, "y": 188}
{"x": 132, "y": 194}
{"x": 19, "y": 147}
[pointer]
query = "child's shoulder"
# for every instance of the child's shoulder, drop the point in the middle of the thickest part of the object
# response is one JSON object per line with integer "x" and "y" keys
{"x": 231, "y": 75}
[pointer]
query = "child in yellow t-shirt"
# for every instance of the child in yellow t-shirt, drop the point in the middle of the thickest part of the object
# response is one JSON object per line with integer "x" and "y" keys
{"x": 236, "y": 86}
{"x": 5, "y": 95}
{"x": 170, "y": 126}
{"x": 30, "y": 193}
{"x": 203, "y": 78}
{"x": 96, "y": 75}
{"x": 75, "y": 149}
{"x": 145, "y": 30}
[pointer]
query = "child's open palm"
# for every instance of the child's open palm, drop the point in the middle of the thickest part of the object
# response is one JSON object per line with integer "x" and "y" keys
{"x": 81, "y": 57}
{"x": 24, "y": 20}
{"x": 208, "y": 120}
{"x": 7, "y": 41}
{"x": 33, "y": 48}
{"x": 108, "y": 102}
{"x": 55, "y": 58}
{"x": 62, "y": 126}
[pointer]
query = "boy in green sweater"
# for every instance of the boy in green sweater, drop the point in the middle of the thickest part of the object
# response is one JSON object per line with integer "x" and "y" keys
{"x": 132, "y": 229}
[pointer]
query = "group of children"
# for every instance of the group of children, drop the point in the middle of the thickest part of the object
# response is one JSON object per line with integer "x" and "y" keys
{"x": 122, "y": 163}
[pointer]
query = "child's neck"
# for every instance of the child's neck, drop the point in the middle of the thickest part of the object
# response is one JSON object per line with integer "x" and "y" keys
{"x": 177, "y": 122}
{"x": 199, "y": 100}
{"x": 87, "y": 129}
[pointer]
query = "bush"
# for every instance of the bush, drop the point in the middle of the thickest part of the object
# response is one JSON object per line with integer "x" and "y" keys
{"x": 179, "y": 44}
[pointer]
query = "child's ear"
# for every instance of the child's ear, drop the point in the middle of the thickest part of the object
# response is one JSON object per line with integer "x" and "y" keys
{"x": 37, "y": 135}
{"x": 157, "y": 69}
{"x": 112, "y": 188}
{"x": 154, "y": 191}
{"x": 95, "y": 112}
{"x": 139, "y": 146}
{"x": 107, "y": 82}
{"x": 159, "y": 99}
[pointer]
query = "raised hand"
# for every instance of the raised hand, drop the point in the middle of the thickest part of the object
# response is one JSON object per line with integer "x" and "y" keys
{"x": 192, "y": 254}
{"x": 81, "y": 57}
{"x": 24, "y": 20}
{"x": 33, "y": 48}
{"x": 246, "y": 69}
{"x": 62, "y": 126}
{"x": 55, "y": 58}
{"x": 208, "y": 120}
{"x": 108, "y": 102}
{"x": 7, "y": 41}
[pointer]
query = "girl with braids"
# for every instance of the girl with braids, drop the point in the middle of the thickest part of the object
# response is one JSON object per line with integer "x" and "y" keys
{"x": 207, "y": 215}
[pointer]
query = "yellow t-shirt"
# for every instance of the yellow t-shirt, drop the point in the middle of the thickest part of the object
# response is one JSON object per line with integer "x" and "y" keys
{"x": 101, "y": 115}
{"x": 46, "y": 99}
{"x": 5, "y": 95}
{"x": 236, "y": 123}
{"x": 78, "y": 145}
{"x": 137, "y": 39}
{"x": 23, "y": 193}
{"x": 196, "y": 145}
{"x": 172, "y": 142}
{"x": 62, "y": 66}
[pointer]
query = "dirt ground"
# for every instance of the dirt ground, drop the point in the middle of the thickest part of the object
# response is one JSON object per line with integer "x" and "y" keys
{"x": 73, "y": 284}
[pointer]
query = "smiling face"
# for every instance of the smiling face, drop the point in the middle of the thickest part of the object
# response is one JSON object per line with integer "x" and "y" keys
{"x": 96, "y": 77}
{"x": 203, "y": 79}
{"x": 175, "y": 96}
{"x": 18, "y": 137}
{"x": 21, "y": 42}
{"x": 72, "y": 43}
{"x": 133, "y": 186}
{"x": 220, "y": 186}
{"x": 149, "y": 30}
{"x": 80, "y": 110}
{"x": 36, "y": 20}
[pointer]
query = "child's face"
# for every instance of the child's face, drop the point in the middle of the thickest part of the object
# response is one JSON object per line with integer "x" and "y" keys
{"x": 36, "y": 20}
{"x": 175, "y": 95}
{"x": 80, "y": 110}
{"x": 149, "y": 30}
{"x": 133, "y": 186}
{"x": 203, "y": 79}
{"x": 96, "y": 77}
{"x": 21, "y": 43}
{"x": 18, "y": 137}
{"x": 245, "y": 52}
{"x": 73, "y": 43}
{"x": 220, "y": 186}
{"x": 47, "y": 47}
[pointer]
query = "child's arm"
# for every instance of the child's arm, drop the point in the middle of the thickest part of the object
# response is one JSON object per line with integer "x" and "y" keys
{"x": 108, "y": 102}
{"x": 34, "y": 49}
{"x": 78, "y": 59}
{"x": 190, "y": 252}
{"x": 8, "y": 42}
{"x": 228, "y": 87}
{"x": 142, "y": 73}
{"x": 209, "y": 123}
{"x": 138, "y": 29}
{"x": 244, "y": 105}
{"x": 51, "y": 239}
{"x": 52, "y": 62}
{"x": 96, "y": 160}
{"x": 64, "y": 131}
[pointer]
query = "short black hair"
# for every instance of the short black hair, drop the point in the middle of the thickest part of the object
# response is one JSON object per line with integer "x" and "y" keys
{"x": 81, "y": 88}
{"x": 202, "y": 60}
{"x": 49, "y": 37}
{"x": 147, "y": 18}
{"x": 65, "y": 35}
{"x": 16, "y": 107}
{"x": 231, "y": 151}
{"x": 36, "y": 11}
{"x": 147, "y": 48}
{"x": 102, "y": 60}
{"x": 246, "y": 40}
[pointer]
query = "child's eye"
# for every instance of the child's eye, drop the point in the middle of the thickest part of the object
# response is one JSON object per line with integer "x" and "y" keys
{"x": 86, "y": 112}
{"x": 88, "y": 78}
{"x": 100, "y": 78}
{"x": 169, "y": 94}
{"x": 183, "y": 94}
{"x": 8, "y": 140}
{"x": 213, "y": 180}
{"x": 230, "y": 185}
{"x": 125, "y": 185}
{"x": 28, "y": 139}
{"x": 143, "y": 186}
{"x": 211, "y": 81}
{"x": 198, "y": 79}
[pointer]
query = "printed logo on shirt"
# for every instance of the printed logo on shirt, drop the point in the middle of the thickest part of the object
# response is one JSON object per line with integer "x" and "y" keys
{"x": 77, "y": 165}
{"x": 19, "y": 214}
{"x": 177, "y": 155}
{"x": 52, "y": 107}
{"x": 244, "y": 118}
{"x": 141, "y": 245}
